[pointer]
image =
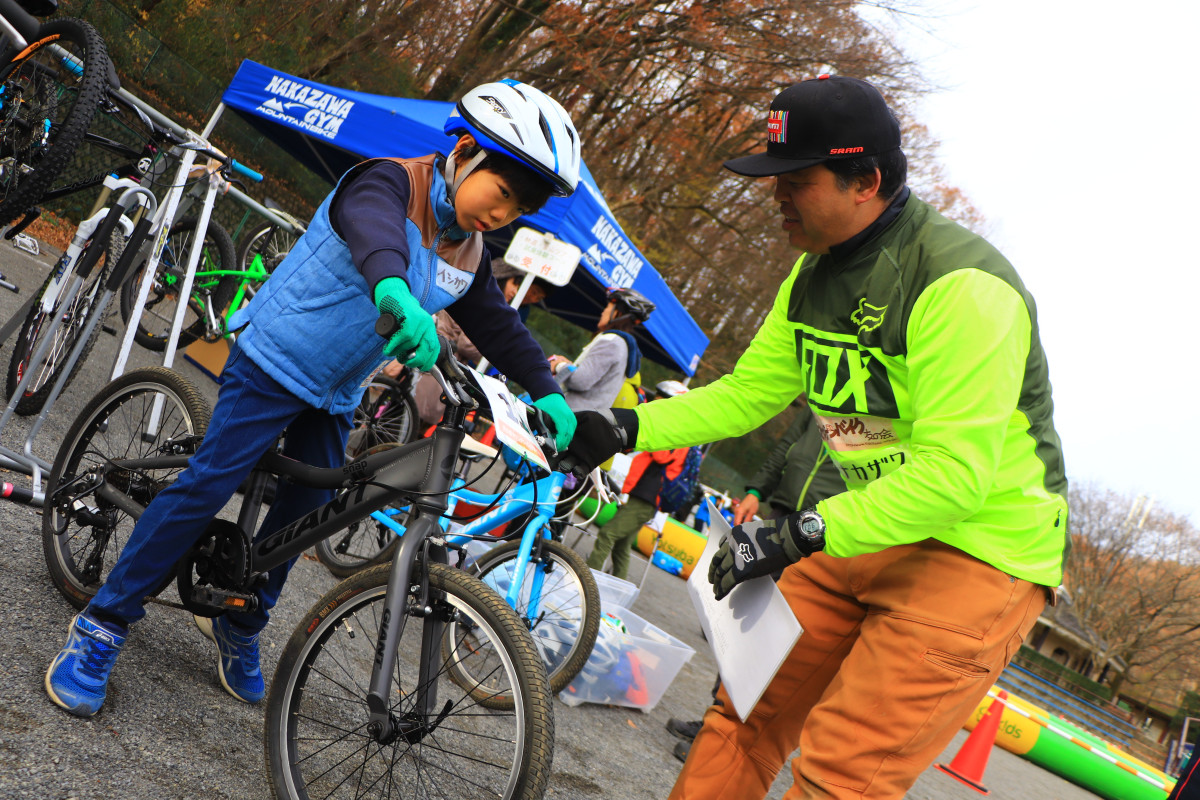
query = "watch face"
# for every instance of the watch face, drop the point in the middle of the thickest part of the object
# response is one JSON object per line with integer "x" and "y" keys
{"x": 811, "y": 525}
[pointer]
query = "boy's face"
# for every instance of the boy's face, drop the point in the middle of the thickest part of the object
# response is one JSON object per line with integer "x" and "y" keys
{"x": 485, "y": 202}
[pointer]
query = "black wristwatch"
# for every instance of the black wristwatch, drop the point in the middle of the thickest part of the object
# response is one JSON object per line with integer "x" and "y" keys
{"x": 811, "y": 527}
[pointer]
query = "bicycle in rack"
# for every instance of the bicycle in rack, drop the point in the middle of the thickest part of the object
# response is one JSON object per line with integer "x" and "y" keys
{"x": 52, "y": 79}
{"x": 218, "y": 285}
{"x": 141, "y": 167}
{"x": 549, "y": 585}
{"x": 408, "y": 679}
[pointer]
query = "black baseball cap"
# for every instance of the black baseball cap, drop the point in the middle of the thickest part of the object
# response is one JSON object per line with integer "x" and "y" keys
{"x": 817, "y": 120}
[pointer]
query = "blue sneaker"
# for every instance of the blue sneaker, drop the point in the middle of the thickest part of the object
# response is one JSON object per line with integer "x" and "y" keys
{"x": 78, "y": 676}
{"x": 237, "y": 658}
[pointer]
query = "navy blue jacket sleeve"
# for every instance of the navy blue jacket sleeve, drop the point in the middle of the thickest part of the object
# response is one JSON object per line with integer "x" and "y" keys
{"x": 369, "y": 213}
{"x": 496, "y": 329}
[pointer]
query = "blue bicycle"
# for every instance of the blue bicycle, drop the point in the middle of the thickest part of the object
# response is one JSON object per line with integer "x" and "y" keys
{"x": 548, "y": 584}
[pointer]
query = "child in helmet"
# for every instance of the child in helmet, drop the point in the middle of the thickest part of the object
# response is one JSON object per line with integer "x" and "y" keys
{"x": 594, "y": 379}
{"x": 403, "y": 236}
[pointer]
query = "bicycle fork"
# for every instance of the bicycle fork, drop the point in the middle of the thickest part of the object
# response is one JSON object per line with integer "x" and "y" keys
{"x": 381, "y": 725}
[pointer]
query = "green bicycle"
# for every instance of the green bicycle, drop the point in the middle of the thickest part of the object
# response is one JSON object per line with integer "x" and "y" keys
{"x": 218, "y": 290}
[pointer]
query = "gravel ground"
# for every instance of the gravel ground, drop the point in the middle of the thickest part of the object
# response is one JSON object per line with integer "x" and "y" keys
{"x": 168, "y": 730}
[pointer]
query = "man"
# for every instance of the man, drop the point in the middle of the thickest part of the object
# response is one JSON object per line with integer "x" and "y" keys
{"x": 918, "y": 349}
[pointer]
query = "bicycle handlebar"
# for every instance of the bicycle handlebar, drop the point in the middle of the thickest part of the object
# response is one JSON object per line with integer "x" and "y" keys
{"x": 459, "y": 389}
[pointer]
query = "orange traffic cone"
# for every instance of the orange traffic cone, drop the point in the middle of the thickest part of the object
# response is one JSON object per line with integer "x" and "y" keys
{"x": 970, "y": 762}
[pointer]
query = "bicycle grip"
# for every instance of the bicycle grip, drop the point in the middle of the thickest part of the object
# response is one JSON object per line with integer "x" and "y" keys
{"x": 386, "y": 325}
{"x": 245, "y": 171}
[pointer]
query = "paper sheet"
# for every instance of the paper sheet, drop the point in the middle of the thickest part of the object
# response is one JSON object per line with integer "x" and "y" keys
{"x": 751, "y": 631}
{"x": 512, "y": 425}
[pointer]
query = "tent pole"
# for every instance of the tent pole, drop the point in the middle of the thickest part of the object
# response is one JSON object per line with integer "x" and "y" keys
{"x": 526, "y": 282}
{"x": 333, "y": 176}
{"x": 212, "y": 121}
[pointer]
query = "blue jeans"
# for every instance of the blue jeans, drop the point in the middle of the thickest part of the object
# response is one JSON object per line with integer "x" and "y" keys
{"x": 252, "y": 410}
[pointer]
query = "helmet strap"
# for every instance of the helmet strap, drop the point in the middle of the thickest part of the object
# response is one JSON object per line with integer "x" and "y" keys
{"x": 454, "y": 181}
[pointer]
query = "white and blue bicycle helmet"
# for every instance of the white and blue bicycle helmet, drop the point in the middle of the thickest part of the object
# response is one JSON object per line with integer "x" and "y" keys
{"x": 523, "y": 123}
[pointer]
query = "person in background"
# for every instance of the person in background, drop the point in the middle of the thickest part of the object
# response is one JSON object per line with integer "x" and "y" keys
{"x": 797, "y": 473}
{"x": 642, "y": 484}
{"x": 402, "y": 237}
{"x": 917, "y": 345}
{"x": 594, "y": 379}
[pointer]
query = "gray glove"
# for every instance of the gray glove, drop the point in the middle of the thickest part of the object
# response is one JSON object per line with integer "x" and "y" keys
{"x": 762, "y": 548}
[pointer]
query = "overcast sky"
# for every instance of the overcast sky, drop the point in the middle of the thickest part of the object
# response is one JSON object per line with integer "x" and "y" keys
{"x": 1075, "y": 131}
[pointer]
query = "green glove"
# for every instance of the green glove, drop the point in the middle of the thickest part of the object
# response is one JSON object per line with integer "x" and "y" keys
{"x": 416, "y": 341}
{"x": 561, "y": 417}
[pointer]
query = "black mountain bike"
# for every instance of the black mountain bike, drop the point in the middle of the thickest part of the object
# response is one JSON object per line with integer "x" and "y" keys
{"x": 410, "y": 679}
{"x": 52, "y": 78}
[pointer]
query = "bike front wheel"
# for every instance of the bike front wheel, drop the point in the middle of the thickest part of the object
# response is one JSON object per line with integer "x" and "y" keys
{"x": 71, "y": 327}
{"x": 386, "y": 414}
{"x": 82, "y": 533}
{"x": 317, "y": 744}
{"x": 564, "y": 621}
{"x": 211, "y": 292}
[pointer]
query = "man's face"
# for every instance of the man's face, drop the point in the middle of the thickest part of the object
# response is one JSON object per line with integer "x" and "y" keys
{"x": 535, "y": 293}
{"x": 817, "y": 213}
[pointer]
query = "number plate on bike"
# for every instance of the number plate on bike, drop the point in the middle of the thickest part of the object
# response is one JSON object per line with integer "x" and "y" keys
{"x": 512, "y": 426}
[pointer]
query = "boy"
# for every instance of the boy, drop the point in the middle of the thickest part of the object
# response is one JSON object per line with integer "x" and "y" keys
{"x": 402, "y": 236}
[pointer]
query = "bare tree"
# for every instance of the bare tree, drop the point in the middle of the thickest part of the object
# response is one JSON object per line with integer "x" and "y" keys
{"x": 1132, "y": 573}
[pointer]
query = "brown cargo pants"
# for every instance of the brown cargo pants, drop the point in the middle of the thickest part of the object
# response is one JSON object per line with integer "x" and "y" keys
{"x": 898, "y": 648}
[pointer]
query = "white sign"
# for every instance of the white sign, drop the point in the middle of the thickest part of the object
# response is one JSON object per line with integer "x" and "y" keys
{"x": 550, "y": 259}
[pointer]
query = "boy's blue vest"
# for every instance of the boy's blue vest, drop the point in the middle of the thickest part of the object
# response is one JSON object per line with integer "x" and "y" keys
{"x": 311, "y": 327}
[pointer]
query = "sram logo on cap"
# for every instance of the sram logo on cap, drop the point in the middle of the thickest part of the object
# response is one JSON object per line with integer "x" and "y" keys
{"x": 777, "y": 127}
{"x": 841, "y": 151}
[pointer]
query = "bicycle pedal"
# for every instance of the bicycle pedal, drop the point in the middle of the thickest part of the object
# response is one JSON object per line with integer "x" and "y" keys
{"x": 23, "y": 241}
{"x": 223, "y": 599}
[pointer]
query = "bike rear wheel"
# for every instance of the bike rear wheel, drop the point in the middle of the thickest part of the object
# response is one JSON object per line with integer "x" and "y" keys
{"x": 210, "y": 294}
{"x": 48, "y": 96}
{"x": 82, "y": 534}
{"x": 74, "y": 319}
{"x": 565, "y": 622}
{"x": 317, "y": 744}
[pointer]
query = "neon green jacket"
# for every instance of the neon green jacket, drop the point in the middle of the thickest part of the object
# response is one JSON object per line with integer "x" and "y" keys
{"x": 920, "y": 355}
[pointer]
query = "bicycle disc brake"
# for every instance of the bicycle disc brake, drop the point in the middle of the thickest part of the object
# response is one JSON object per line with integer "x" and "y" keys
{"x": 213, "y": 575}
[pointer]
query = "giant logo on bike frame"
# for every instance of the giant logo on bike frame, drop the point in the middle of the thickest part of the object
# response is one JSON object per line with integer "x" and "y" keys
{"x": 313, "y": 110}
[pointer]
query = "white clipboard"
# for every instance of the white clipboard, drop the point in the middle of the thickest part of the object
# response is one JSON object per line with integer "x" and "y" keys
{"x": 751, "y": 631}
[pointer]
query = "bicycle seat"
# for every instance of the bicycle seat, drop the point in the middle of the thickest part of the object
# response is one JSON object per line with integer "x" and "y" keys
{"x": 475, "y": 450}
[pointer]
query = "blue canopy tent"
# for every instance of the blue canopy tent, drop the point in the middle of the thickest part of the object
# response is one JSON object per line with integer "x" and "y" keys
{"x": 330, "y": 129}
